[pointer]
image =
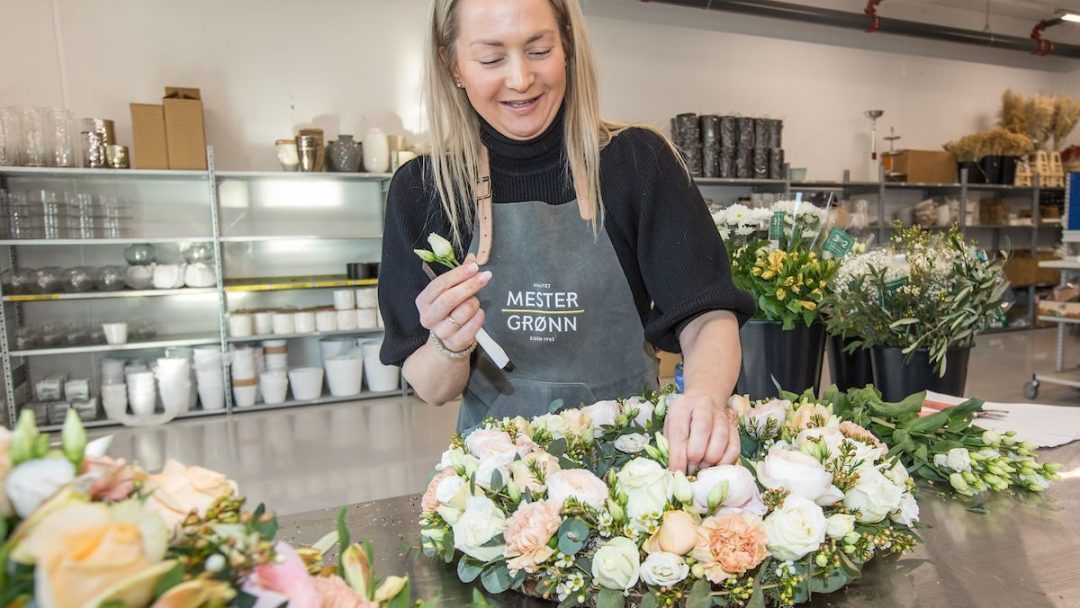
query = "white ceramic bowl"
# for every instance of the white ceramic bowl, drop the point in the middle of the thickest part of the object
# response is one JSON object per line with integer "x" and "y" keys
{"x": 112, "y": 371}
{"x": 115, "y": 333}
{"x": 241, "y": 325}
{"x": 344, "y": 375}
{"x": 306, "y": 382}
{"x": 304, "y": 321}
{"x": 284, "y": 323}
{"x": 264, "y": 323}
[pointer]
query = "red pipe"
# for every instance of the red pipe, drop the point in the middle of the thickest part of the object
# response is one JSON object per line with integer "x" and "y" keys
{"x": 871, "y": 11}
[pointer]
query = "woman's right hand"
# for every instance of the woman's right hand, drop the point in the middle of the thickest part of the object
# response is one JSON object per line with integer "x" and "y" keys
{"x": 449, "y": 308}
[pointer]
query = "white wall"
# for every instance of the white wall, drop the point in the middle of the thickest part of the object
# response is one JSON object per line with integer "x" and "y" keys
{"x": 268, "y": 66}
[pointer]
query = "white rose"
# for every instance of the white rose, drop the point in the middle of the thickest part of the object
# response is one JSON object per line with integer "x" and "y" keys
{"x": 810, "y": 442}
{"x": 874, "y": 496}
{"x": 941, "y": 461}
{"x": 583, "y": 485}
{"x": 495, "y": 461}
{"x": 840, "y": 525}
{"x": 631, "y": 443}
{"x": 554, "y": 424}
{"x": 646, "y": 486}
{"x": 867, "y": 453}
{"x": 32, "y": 482}
{"x": 799, "y": 474}
{"x": 741, "y": 491}
{"x": 909, "y": 511}
{"x": 484, "y": 442}
{"x": 602, "y": 413}
{"x": 959, "y": 460}
{"x": 664, "y": 569}
{"x": 577, "y": 423}
{"x": 617, "y": 564}
{"x": 453, "y": 495}
{"x": 795, "y": 529}
{"x": 644, "y": 410}
{"x": 457, "y": 459}
{"x": 757, "y": 418}
{"x": 740, "y": 404}
{"x": 481, "y": 522}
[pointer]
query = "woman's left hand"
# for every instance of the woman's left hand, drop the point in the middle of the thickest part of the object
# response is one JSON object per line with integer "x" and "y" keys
{"x": 700, "y": 433}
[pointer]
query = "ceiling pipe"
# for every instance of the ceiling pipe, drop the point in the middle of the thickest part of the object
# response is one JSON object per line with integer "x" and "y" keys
{"x": 873, "y": 21}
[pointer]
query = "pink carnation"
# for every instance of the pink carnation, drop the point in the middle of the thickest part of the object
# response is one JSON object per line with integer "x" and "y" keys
{"x": 528, "y": 532}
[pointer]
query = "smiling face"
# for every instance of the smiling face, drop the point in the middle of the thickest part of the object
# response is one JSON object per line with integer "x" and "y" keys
{"x": 509, "y": 57}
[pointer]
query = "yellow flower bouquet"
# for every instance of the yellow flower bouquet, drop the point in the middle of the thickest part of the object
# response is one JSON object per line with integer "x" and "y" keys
{"x": 787, "y": 286}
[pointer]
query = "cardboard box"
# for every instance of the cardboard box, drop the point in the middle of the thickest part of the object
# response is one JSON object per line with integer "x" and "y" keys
{"x": 923, "y": 166}
{"x": 1022, "y": 270}
{"x": 148, "y": 135}
{"x": 185, "y": 135}
{"x": 668, "y": 361}
{"x": 1059, "y": 309}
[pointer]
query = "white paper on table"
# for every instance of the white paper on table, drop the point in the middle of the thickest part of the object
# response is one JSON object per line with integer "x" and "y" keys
{"x": 1047, "y": 426}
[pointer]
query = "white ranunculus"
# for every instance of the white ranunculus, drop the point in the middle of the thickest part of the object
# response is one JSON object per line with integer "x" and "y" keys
{"x": 452, "y": 491}
{"x": 840, "y": 525}
{"x": 602, "y": 413}
{"x": 799, "y": 474}
{"x": 681, "y": 488}
{"x": 495, "y": 461}
{"x": 617, "y": 564}
{"x": 664, "y": 569}
{"x": 741, "y": 491}
{"x": 909, "y": 510}
{"x": 631, "y": 443}
{"x": 484, "y": 442}
{"x": 481, "y": 522}
{"x": 554, "y": 424}
{"x": 646, "y": 486}
{"x": 583, "y": 485}
{"x": 959, "y": 460}
{"x": 32, "y": 482}
{"x": 874, "y": 496}
{"x": 796, "y": 529}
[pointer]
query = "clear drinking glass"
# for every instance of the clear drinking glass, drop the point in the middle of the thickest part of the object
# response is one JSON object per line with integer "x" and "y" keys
{"x": 53, "y": 218}
{"x": 84, "y": 212}
{"x": 20, "y": 223}
{"x": 110, "y": 212}
{"x": 34, "y": 137}
{"x": 61, "y": 126}
{"x": 10, "y": 136}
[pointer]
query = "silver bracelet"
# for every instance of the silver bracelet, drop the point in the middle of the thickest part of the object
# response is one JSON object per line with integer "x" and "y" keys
{"x": 453, "y": 354}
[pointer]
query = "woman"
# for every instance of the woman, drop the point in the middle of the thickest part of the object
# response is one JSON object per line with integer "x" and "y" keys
{"x": 577, "y": 268}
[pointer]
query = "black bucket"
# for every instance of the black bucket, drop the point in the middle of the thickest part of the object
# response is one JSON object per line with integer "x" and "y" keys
{"x": 794, "y": 358}
{"x": 1008, "y": 170}
{"x": 849, "y": 370}
{"x": 896, "y": 379}
{"x": 975, "y": 174}
{"x": 991, "y": 166}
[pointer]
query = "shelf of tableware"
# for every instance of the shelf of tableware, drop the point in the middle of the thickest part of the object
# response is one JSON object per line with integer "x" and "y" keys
{"x": 181, "y": 240}
{"x": 105, "y": 295}
{"x": 297, "y": 336}
{"x": 325, "y": 399}
{"x": 203, "y": 340}
{"x": 238, "y": 286}
{"x": 106, "y": 423}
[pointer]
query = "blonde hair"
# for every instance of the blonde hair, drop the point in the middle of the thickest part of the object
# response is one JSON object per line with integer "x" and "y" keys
{"x": 455, "y": 127}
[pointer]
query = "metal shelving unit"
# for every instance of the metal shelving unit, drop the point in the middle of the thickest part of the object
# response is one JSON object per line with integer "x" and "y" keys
{"x": 317, "y": 335}
{"x": 16, "y": 375}
{"x": 325, "y": 399}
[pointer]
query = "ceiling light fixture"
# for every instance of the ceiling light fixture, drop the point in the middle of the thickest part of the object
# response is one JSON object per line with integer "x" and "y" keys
{"x": 1071, "y": 17}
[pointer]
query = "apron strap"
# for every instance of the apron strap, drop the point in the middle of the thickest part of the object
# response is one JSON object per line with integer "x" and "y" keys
{"x": 482, "y": 194}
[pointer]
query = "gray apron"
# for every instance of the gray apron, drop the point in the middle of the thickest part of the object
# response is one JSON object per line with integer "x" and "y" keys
{"x": 559, "y": 304}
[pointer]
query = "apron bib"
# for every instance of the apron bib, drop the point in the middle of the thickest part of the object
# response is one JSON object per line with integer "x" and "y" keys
{"x": 559, "y": 304}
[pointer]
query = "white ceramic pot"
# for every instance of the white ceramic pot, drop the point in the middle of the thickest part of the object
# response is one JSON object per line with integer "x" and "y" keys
{"x": 274, "y": 386}
{"x": 244, "y": 396}
{"x": 264, "y": 323}
{"x": 241, "y": 325}
{"x": 112, "y": 371}
{"x": 326, "y": 320}
{"x": 376, "y": 151}
{"x": 334, "y": 347}
{"x": 344, "y": 299}
{"x": 175, "y": 396}
{"x": 366, "y": 318}
{"x": 380, "y": 378}
{"x": 367, "y": 297}
{"x": 212, "y": 397}
{"x": 284, "y": 323}
{"x": 344, "y": 375}
{"x": 305, "y": 322}
{"x": 114, "y": 398}
{"x": 346, "y": 320}
{"x": 306, "y": 383}
{"x": 169, "y": 276}
{"x": 115, "y": 333}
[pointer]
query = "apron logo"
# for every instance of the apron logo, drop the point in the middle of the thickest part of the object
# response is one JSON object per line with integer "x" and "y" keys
{"x": 542, "y": 312}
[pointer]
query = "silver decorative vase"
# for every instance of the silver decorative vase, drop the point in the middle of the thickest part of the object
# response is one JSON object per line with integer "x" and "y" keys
{"x": 344, "y": 155}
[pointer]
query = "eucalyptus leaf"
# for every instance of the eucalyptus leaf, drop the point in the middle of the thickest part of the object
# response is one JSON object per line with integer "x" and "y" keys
{"x": 610, "y": 598}
{"x": 496, "y": 578}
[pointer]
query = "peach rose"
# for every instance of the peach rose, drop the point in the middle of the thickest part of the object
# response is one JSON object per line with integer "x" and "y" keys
{"x": 91, "y": 553}
{"x": 177, "y": 491}
{"x": 430, "y": 502}
{"x": 678, "y": 534}
{"x": 334, "y": 592}
{"x": 730, "y": 545}
{"x": 528, "y": 532}
{"x": 582, "y": 484}
{"x": 853, "y": 431}
{"x": 486, "y": 442}
{"x": 196, "y": 594}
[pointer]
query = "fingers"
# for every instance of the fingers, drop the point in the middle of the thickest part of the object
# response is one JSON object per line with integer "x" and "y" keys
{"x": 447, "y": 280}
{"x": 460, "y": 338}
{"x": 734, "y": 445}
{"x": 677, "y": 431}
{"x": 701, "y": 428}
{"x": 441, "y": 306}
{"x": 719, "y": 440}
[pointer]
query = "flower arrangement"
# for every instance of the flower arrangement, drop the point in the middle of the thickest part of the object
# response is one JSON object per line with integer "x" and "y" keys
{"x": 932, "y": 291}
{"x": 579, "y": 505}
{"x": 82, "y": 529}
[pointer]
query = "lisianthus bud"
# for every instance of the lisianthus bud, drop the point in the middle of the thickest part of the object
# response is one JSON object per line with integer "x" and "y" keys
{"x": 23, "y": 438}
{"x": 662, "y": 444}
{"x": 73, "y": 438}
{"x": 1029, "y": 446}
{"x": 956, "y": 480}
{"x": 991, "y": 438}
{"x": 441, "y": 247}
{"x": 717, "y": 495}
{"x": 968, "y": 476}
{"x": 617, "y": 512}
{"x": 425, "y": 255}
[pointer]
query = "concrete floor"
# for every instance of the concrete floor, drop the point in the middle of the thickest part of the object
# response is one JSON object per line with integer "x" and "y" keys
{"x": 302, "y": 459}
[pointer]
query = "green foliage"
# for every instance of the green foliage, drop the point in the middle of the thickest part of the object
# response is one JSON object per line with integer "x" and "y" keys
{"x": 788, "y": 286}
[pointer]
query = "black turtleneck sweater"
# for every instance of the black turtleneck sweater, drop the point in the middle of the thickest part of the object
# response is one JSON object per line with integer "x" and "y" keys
{"x": 669, "y": 249}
